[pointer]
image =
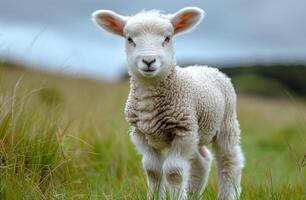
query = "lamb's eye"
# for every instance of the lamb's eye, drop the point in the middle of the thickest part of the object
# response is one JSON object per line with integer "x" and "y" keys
{"x": 167, "y": 39}
{"x": 131, "y": 41}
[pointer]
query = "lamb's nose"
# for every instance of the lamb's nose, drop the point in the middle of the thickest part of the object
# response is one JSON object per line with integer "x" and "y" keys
{"x": 149, "y": 62}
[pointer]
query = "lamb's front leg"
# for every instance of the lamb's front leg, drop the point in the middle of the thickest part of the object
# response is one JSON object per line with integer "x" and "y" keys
{"x": 177, "y": 165}
{"x": 152, "y": 162}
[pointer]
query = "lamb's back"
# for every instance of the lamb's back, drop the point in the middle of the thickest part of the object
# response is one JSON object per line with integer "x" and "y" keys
{"x": 208, "y": 80}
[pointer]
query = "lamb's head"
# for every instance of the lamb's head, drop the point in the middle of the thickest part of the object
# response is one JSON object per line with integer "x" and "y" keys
{"x": 148, "y": 35}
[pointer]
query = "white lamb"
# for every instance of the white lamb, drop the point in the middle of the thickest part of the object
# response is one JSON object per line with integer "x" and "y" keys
{"x": 177, "y": 108}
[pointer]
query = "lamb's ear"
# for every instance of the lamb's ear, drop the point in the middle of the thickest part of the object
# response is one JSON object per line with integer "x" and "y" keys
{"x": 186, "y": 19}
{"x": 110, "y": 21}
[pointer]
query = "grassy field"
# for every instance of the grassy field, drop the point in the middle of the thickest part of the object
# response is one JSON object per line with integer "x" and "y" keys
{"x": 65, "y": 138}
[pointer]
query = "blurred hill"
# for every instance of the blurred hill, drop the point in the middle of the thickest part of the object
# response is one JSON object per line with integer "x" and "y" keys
{"x": 269, "y": 81}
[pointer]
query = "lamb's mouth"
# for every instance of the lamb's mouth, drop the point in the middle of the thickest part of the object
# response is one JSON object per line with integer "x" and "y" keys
{"x": 148, "y": 70}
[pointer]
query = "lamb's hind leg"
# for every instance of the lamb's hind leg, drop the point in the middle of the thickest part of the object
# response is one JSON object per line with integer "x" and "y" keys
{"x": 199, "y": 171}
{"x": 152, "y": 162}
{"x": 229, "y": 159}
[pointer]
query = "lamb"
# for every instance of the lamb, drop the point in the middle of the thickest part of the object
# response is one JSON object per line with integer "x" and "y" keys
{"x": 174, "y": 108}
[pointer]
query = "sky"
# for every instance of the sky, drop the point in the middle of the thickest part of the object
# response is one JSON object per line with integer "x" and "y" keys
{"x": 59, "y": 35}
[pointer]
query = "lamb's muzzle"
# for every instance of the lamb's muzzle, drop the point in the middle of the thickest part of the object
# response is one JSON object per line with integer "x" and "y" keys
{"x": 177, "y": 108}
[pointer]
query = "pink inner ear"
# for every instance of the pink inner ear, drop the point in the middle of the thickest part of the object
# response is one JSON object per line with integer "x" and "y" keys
{"x": 112, "y": 24}
{"x": 184, "y": 21}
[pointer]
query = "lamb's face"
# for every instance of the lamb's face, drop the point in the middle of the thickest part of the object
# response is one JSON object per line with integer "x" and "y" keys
{"x": 148, "y": 35}
{"x": 149, "y": 46}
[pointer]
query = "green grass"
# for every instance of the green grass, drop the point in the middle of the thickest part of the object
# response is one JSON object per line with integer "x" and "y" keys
{"x": 65, "y": 138}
